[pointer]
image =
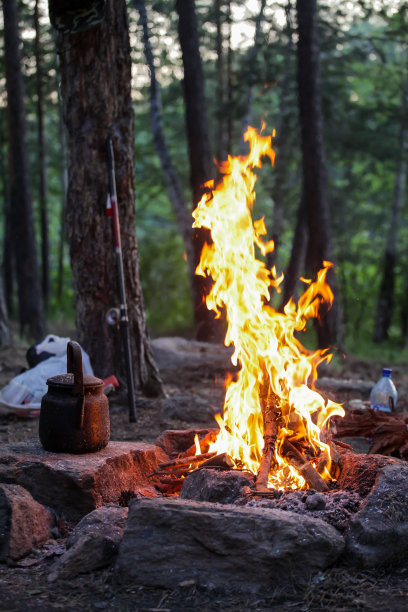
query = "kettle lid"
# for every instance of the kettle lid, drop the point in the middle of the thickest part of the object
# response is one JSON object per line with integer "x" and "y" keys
{"x": 67, "y": 381}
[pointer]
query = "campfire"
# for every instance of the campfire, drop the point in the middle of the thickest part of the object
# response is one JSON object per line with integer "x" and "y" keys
{"x": 274, "y": 423}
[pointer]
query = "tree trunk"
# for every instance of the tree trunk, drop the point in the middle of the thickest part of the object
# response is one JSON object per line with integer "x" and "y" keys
{"x": 45, "y": 266}
{"x": 297, "y": 256}
{"x": 252, "y": 55}
{"x": 282, "y": 145}
{"x": 31, "y": 313}
{"x": 96, "y": 93}
{"x": 7, "y": 260}
{"x": 4, "y": 327}
{"x": 64, "y": 191}
{"x": 175, "y": 189}
{"x": 220, "y": 136}
{"x": 230, "y": 78}
{"x": 385, "y": 304}
{"x": 314, "y": 191}
{"x": 207, "y": 327}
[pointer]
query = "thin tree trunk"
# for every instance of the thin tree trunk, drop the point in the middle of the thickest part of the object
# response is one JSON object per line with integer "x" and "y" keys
{"x": 175, "y": 189}
{"x": 221, "y": 131}
{"x": 7, "y": 262}
{"x": 230, "y": 87}
{"x": 282, "y": 145}
{"x": 45, "y": 266}
{"x": 314, "y": 189}
{"x": 96, "y": 93}
{"x": 385, "y": 304}
{"x": 63, "y": 213}
{"x": 252, "y": 55}
{"x": 4, "y": 327}
{"x": 207, "y": 327}
{"x": 31, "y": 313}
{"x": 297, "y": 256}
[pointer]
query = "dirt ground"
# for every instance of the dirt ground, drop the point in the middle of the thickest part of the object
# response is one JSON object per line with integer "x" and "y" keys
{"x": 200, "y": 385}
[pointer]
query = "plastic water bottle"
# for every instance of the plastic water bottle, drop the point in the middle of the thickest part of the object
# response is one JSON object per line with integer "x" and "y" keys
{"x": 384, "y": 395}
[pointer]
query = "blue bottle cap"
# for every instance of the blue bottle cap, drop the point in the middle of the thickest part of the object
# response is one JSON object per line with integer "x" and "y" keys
{"x": 386, "y": 373}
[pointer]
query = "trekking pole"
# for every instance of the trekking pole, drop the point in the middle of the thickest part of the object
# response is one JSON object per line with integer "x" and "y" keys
{"x": 112, "y": 210}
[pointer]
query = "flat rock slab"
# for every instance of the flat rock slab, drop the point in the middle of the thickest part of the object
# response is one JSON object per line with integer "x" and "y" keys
{"x": 169, "y": 541}
{"x": 74, "y": 485}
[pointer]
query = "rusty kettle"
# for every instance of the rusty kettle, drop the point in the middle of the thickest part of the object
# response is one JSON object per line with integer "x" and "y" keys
{"x": 74, "y": 415}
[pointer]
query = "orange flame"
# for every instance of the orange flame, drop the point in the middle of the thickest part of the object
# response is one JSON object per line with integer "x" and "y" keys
{"x": 264, "y": 340}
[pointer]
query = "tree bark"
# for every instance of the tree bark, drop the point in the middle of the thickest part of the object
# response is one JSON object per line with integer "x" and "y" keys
{"x": 207, "y": 327}
{"x": 175, "y": 189}
{"x": 64, "y": 190}
{"x": 314, "y": 191}
{"x": 221, "y": 133}
{"x": 31, "y": 313}
{"x": 252, "y": 55}
{"x": 385, "y": 304}
{"x": 96, "y": 93}
{"x": 282, "y": 145}
{"x": 4, "y": 326}
{"x": 297, "y": 255}
{"x": 45, "y": 266}
{"x": 7, "y": 260}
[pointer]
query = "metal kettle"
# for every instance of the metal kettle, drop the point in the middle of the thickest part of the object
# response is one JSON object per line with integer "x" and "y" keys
{"x": 74, "y": 415}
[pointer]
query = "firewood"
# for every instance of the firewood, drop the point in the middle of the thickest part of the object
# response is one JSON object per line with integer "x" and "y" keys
{"x": 305, "y": 469}
{"x": 223, "y": 461}
{"x": 388, "y": 431}
{"x": 172, "y": 481}
{"x": 270, "y": 412}
{"x": 205, "y": 442}
{"x": 184, "y": 461}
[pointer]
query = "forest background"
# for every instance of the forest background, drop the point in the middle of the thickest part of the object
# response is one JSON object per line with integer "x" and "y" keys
{"x": 250, "y": 59}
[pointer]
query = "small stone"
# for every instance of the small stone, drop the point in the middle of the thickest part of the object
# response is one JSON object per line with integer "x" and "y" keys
{"x": 24, "y": 523}
{"x": 315, "y": 502}
{"x": 93, "y": 543}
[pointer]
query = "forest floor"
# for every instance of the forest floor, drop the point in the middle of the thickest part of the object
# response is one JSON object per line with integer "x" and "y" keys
{"x": 194, "y": 383}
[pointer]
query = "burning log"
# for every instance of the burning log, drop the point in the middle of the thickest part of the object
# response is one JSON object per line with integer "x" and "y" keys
{"x": 205, "y": 442}
{"x": 271, "y": 414}
{"x": 304, "y": 467}
{"x": 222, "y": 461}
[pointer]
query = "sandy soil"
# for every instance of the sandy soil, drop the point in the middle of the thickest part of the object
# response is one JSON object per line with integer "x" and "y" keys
{"x": 199, "y": 386}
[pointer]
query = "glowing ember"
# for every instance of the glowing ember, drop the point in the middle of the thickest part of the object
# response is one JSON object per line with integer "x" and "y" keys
{"x": 275, "y": 369}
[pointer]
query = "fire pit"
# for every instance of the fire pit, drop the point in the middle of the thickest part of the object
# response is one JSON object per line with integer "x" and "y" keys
{"x": 267, "y": 498}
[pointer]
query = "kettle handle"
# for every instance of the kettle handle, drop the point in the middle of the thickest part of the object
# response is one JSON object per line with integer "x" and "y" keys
{"x": 74, "y": 366}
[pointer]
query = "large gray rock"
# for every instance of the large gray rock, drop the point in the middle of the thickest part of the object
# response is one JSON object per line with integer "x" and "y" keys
{"x": 169, "y": 541}
{"x": 378, "y": 533}
{"x": 93, "y": 543}
{"x": 74, "y": 485}
{"x": 24, "y": 523}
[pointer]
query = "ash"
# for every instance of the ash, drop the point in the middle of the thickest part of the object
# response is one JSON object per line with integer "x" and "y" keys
{"x": 334, "y": 507}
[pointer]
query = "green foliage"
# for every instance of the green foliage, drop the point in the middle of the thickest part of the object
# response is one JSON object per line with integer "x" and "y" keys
{"x": 364, "y": 60}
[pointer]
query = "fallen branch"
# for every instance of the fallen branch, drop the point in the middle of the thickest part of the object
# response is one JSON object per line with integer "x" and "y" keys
{"x": 388, "y": 432}
{"x": 183, "y": 461}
